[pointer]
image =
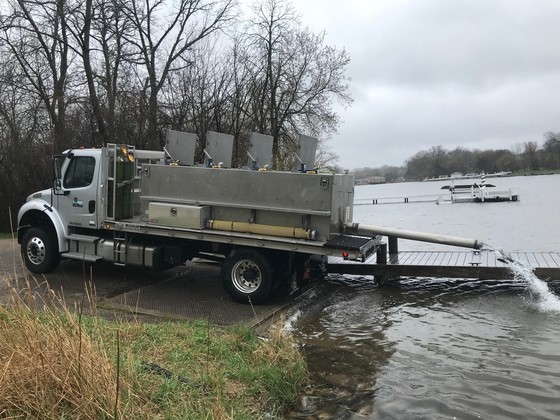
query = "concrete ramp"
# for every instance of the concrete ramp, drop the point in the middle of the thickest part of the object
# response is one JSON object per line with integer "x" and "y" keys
{"x": 197, "y": 294}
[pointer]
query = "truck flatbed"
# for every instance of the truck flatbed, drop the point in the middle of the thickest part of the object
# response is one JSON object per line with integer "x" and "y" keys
{"x": 360, "y": 247}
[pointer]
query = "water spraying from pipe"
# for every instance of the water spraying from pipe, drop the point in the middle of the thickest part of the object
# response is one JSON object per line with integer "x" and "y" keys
{"x": 539, "y": 294}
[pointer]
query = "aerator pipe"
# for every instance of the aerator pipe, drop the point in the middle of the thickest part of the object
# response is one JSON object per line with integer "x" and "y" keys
{"x": 366, "y": 230}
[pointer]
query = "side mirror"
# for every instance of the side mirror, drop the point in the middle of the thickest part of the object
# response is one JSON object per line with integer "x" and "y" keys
{"x": 57, "y": 168}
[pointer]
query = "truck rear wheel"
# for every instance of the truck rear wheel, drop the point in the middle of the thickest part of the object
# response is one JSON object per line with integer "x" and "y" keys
{"x": 318, "y": 267}
{"x": 247, "y": 276}
{"x": 39, "y": 251}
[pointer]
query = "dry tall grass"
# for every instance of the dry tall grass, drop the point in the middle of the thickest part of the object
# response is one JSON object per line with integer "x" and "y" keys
{"x": 49, "y": 368}
{"x": 56, "y": 363}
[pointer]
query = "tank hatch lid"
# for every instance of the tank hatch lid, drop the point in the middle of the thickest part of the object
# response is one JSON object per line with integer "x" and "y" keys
{"x": 305, "y": 152}
{"x": 260, "y": 151}
{"x": 181, "y": 146}
{"x": 219, "y": 147}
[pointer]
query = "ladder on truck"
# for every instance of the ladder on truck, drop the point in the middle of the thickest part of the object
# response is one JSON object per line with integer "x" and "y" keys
{"x": 121, "y": 180}
{"x": 121, "y": 240}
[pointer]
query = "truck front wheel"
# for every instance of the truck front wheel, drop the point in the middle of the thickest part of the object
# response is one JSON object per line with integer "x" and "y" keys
{"x": 39, "y": 251}
{"x": 247, "y": 276}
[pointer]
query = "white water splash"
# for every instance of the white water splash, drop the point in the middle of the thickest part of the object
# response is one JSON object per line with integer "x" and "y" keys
{"x": 289, "y": 325}
{"x": 539, "y": 294}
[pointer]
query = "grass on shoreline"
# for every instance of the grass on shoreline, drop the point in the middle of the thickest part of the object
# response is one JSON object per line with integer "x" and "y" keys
{"x": 58, "y": 363}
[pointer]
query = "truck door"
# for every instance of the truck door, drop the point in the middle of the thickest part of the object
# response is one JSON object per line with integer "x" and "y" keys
{"x": 78, "y": 199}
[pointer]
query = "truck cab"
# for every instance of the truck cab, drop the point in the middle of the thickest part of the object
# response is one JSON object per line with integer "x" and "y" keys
{"x": 47, "y": 217}
{"x": 77, "y": 192}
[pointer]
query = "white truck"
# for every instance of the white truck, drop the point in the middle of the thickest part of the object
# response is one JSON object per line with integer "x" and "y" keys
{"x": 139, "y": 207}
{"x": 134, "y": 207}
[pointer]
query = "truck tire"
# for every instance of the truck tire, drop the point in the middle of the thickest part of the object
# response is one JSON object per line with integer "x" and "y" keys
{"x": 39, "y": 251}
{"x": 247, "y": 276}
{"x": 318, "y": 267}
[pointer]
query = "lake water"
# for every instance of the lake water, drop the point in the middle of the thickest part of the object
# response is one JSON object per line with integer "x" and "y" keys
{"x": 440, "y": 348}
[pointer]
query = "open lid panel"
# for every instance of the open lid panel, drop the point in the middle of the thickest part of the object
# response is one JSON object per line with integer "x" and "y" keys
{"x": 305, "y": 152}
{"x": 260, "y": 151}
{"x": 181, "y": 146}
{"x": 220, "y": 148}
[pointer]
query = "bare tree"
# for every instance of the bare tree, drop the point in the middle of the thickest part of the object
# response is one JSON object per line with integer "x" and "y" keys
{"x": 98, "y": 29}
{"x": 551, "y": 147}
{"x": 190, "y": 98}
{"x": 552, "y": 142}
{"x": 239, "y": 100}
{"x": 164, "y": 31}
{"x": 36, "y": 34}
{"x": 296, "y": 77}
{"x": 530, "y": 154}
{"x": 326, "y": 158}
{"x": 24, "y": 150}
{"x": 212, "y": 93}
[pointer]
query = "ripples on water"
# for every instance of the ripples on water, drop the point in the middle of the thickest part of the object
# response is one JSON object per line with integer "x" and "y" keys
{"x": 441, "y": 348}
{"x": 425, "y": 348}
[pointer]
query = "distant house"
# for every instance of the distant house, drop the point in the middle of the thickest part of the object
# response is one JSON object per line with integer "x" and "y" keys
{"x": 457, "y": 175}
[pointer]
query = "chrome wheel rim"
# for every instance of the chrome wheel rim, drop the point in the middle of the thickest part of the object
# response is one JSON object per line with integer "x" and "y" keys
{"x": 246, "y": 276}
{"x": 36, "y": 250}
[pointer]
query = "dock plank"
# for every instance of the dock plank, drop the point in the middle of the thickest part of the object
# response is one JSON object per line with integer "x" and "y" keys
{"x": 539, "y": 260}
{"x": 524, "y": 257}
{"x": 462, "y": 261}
{"x": 487, "y": 258}
{"x": 548, "y": 259}
{"x": 413, "y": 258}
{"x": 452, "y": 264}
{"x": 556, "y": 257}
{"x": 544, "y": 262}
{"x": 461, "y": 258}
{"x": 440, "y": 257}
{"x": 399, "y": 258}
{"x": 453, "y": 258}
{"x": 425, "y": 258}
{"x": 434, "y": 258}
{"x": 447, "y": 259}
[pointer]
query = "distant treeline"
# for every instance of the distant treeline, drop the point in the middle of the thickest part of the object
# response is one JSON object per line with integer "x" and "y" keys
{"x": 438, "y": 161}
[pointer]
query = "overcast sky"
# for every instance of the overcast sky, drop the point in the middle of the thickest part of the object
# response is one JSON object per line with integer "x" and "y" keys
{"x": 481, "y": 74}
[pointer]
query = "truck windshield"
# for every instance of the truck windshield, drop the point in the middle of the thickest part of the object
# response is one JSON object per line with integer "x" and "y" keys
{"x": 80, "y": 172}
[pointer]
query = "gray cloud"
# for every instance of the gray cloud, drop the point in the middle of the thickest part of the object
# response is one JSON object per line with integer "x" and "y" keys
{"x": 476, "y": 74}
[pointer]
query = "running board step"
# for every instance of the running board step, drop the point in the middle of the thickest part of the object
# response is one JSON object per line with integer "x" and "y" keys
{"x": 81, "y": 257}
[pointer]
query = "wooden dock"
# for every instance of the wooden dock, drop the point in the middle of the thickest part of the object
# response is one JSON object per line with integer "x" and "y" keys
{"x": 424, "y": 198}
{"x": 484, "y": 265}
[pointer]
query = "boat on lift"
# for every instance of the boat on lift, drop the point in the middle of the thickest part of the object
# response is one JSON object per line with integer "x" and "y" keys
{"x": 477, "y": 192}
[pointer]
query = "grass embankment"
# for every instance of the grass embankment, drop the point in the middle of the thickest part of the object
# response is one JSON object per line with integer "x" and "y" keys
{"x": 56, "y": 363}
